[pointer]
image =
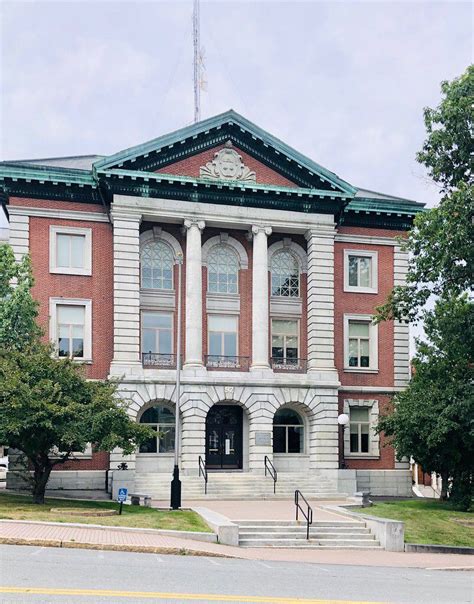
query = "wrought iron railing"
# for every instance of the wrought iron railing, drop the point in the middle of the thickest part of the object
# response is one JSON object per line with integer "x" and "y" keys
{"x": 270, "y": 468}
{"x": 231, "y": 363}
{"x": 159, "y": 360}
{"x": 308, "y": 514}
{"x": 203, "y": 472}
{"x": 290, "y": 365}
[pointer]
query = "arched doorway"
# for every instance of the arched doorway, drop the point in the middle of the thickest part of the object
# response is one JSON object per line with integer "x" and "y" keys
{"x": 224, "y": 442}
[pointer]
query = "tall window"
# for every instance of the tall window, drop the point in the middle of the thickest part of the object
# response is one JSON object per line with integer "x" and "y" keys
{"x": 157, "y": 332}
{"x": 360, "y": 271}
{"x": 222, "y": 270}
{"x": 162, "y": 420}
{"x": 222, "y": 336}
{"x": 359, "y": 426}
{"x": 156, "y": 266}
{"x": 359, "y": 343}
{"x": 70, "y": 321}
{"x": 285, "y": 340}
{"x": 288, "y": 432}
{"x": 285, "y": 275}
{"x": 70, "y": 250}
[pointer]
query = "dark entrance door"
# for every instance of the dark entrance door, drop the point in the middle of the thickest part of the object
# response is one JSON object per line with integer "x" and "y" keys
{"x": 224, "y": 437}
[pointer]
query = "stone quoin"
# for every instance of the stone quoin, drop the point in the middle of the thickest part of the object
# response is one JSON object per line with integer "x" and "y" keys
{"x": 283, "y": 265}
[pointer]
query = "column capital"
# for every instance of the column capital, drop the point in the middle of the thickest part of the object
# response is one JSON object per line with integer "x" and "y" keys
{"x": 189, "y": 222}
{"x": 257, "y": 228}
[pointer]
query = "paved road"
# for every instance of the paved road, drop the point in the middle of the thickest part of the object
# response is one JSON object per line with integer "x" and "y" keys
{"x": 70, "y": 575}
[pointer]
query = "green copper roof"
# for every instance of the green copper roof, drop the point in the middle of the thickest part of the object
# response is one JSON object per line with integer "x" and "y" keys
{"x": 95, "y": 179}
{"x": 179, "y": 137}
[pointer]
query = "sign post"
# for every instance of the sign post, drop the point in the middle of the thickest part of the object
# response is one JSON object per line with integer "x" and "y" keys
{"x": 121, "y": 497}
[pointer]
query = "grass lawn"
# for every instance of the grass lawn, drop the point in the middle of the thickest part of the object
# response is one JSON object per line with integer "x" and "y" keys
{"x": 428, "y": 521}
{"x": 20, "y": 507}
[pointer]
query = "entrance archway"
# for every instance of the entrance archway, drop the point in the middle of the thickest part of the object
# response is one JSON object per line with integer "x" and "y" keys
{"x": 224, "y": 437}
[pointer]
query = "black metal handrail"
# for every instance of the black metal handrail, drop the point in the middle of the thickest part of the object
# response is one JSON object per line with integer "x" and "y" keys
{"x": 232, "y": 363}
{"x": 203, "y": 472}
{"x": 309, "y": 510}
{"x": 272, "y": 471}
{"x": 159, "y": 360}
{"x": 291, "y": 365}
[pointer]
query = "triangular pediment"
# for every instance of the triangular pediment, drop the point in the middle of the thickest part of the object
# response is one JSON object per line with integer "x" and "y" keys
{"x": 226, "y": 147}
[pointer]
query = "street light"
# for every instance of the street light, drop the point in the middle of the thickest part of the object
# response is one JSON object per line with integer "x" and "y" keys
{"x": 176, "y": 482}
{"x": 343, "y": 420}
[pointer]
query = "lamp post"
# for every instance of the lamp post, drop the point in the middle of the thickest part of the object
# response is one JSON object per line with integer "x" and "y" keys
{"x": 343, "y": 420}
{"x": 176, "y": 482}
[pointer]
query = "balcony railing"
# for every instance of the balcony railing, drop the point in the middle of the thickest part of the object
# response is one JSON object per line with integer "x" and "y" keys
{"x": 229, "y": 363}
{"x": 288, "y": 365}
{"x": 159, "y": 360}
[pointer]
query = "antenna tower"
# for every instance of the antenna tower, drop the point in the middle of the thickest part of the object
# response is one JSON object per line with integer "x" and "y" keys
{"x": 197, "y": 63}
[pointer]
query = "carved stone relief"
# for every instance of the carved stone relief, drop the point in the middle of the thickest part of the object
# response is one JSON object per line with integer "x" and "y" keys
{"x": 227, "y": 165}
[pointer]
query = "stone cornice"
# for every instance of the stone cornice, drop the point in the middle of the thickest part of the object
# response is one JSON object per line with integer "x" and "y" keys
{"x": 221, "y": 216}
{"x": 57, "y": 213}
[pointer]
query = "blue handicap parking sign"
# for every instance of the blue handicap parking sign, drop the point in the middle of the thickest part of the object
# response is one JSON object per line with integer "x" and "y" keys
{"x": 122, "y": 494}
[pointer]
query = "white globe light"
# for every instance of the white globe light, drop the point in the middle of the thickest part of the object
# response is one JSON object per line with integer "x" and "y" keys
{"x": 343, "y": 419}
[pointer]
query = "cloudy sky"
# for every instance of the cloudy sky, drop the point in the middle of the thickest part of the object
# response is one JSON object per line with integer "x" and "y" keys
{"x": 343, "y": 82}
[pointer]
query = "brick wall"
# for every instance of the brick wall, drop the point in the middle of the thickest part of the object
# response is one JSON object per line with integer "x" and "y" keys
{"x": 362, "y": 303}
{"x": 386, "y": 460}
{"x": 191, "y": 165}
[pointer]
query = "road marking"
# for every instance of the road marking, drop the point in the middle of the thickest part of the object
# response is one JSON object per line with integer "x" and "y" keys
{"x": 109, "y": 593}
{"x": 265, "y": 565}
{"x": 211, "y": 561}
{"x": 38, "y": 551}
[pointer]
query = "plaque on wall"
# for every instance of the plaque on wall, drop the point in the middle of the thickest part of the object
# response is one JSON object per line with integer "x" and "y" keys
{"x": 263, "y": 439}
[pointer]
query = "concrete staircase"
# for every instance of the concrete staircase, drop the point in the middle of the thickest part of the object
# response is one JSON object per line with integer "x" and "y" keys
{"x": 241, "y": 486}
{"x": 291, "y": 534}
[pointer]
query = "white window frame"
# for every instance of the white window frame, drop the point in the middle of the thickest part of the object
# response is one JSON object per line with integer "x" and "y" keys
{"x": 160, "y": 312}
{"x": 237, "y": 331}
{"x": 373, "y": 344}
{"x": 298, "y": 334}
{"x": 373, "y": 289}
{"x": 53, "y": 327}
{"x": 374, "y": 438}
{"x": 54, "y": 231}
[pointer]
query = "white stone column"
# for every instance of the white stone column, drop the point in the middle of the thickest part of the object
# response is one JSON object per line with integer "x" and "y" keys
{"x": 260, "y": 356}
{"x": 126, "y": 288}
{"x": 320, "y": 298}
{"x": 193, "y": 292}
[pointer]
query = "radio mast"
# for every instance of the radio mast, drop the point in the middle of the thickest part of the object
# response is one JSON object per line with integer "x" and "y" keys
{"x": 197, "y": 63}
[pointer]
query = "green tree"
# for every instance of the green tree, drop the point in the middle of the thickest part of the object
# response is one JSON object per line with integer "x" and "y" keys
{"x": 18, "y": 310}
{"x": 433, "y": 418}
{"x": 48, "y": 409}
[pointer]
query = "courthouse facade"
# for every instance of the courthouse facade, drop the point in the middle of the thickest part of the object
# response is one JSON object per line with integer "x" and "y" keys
{"x": 283, "y": 264}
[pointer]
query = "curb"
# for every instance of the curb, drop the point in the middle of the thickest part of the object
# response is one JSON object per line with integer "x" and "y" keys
{"x": 191, "y": 535}
{"x": 431, "y": 548}
{"x": 142, "y": 549}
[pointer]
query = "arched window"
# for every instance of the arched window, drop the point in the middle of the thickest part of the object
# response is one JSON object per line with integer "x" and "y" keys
{"x": 285, "y": 275}
{"x": 288, "y": 432}
{"x": 162, "y": 420}
{"x": 156, "y": 266}
{"x": 222, "y": 270}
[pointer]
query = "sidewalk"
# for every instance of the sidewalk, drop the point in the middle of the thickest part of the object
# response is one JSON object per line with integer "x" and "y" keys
{"x": 59, "y": 535}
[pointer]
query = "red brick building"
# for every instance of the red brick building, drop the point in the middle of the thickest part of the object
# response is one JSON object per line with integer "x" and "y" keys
{"x": 283, "y": 264}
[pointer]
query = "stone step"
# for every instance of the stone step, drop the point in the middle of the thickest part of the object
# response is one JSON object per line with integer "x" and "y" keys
{"x": 302, "y": 535}
{"x": 287, "y": 523}
{"x": 329, "y": 543}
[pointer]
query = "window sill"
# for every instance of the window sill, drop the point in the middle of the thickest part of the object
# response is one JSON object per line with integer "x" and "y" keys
{"x": 71, "y": 271}
{"x": 360, "y": 456}
{"x": 78, "y": 361}
{"x": 360, "y": 370}
{"x": 155, "y": 454}
{"x": 360, "y": 290}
